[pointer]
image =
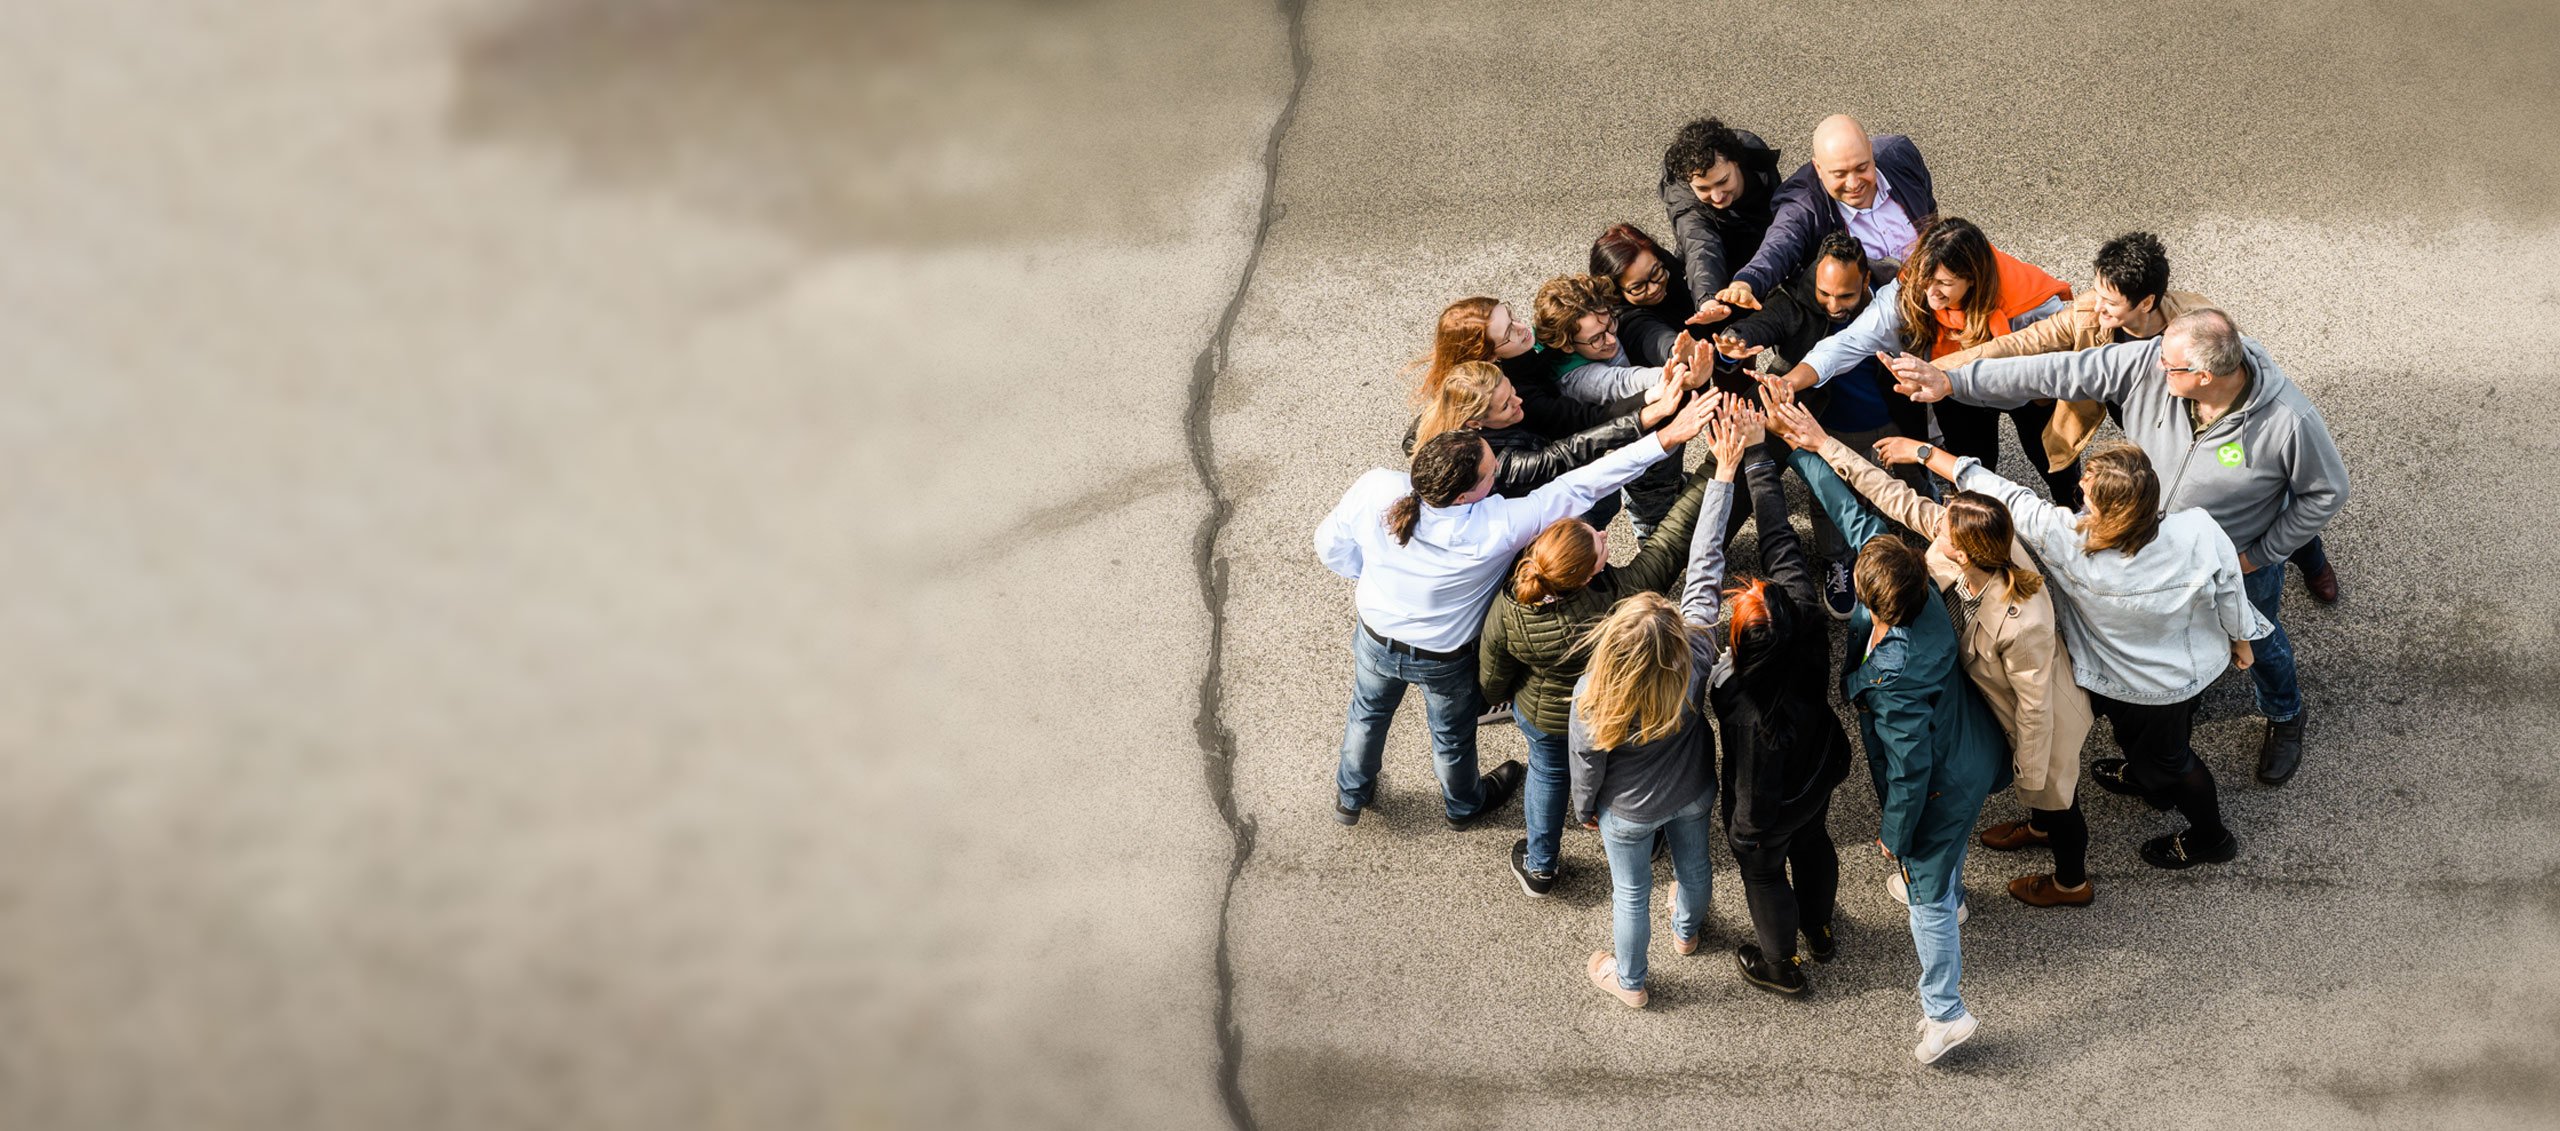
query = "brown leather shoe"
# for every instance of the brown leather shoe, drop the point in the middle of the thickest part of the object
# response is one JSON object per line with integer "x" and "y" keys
{"x": 2010, "y": 836}
{"x": 2323, "y": 585}
{"x": 2041, "y": 891}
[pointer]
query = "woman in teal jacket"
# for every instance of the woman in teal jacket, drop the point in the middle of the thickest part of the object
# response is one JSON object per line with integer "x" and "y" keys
{"x": 1933, "y": 745}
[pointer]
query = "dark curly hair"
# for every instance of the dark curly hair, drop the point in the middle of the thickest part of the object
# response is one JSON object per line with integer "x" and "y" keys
{"x": 1700, "y": 144}
{"x": 2135, "y": 266}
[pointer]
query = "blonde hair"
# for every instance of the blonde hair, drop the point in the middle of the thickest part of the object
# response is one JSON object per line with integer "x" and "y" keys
{"x": 2124, "y": 499}
{"x": 1639, "y": 672}
{"x": 1465, "y": 396}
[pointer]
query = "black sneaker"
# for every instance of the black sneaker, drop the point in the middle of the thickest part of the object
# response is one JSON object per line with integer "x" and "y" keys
{"x": 1537, "y": 884}
{"x": 1776, "y": 977}
{"x": 1499, "y": 784}
{"x": 2280, "y": 753}
{"x": 1820, "y": 944}
{"x": 1839, "y": 594}
{"x": 1347, "y": 814}
{"x": 2182, "y": 850}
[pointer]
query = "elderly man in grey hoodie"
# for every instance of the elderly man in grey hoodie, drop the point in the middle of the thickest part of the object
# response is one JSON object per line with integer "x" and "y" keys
{"x": 2228, "y": 432}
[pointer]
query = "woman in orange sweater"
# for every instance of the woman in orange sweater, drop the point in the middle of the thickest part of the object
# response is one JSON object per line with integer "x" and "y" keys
{"x": 1958, "y": 292}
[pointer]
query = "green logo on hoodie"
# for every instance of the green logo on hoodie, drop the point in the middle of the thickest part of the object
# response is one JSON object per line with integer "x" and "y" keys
{"x": 2231, "y": 454}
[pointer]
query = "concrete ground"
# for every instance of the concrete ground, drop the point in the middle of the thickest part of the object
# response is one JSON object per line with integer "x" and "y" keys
{"x": 641, "y": 564}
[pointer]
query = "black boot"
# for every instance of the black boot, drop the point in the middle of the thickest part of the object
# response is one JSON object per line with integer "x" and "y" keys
{"x": 1785, "y": 977}
{"x": 2281, "y": 753}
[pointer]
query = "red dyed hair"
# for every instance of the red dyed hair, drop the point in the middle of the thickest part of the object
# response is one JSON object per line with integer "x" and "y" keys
{"x": 1749, "y": 605}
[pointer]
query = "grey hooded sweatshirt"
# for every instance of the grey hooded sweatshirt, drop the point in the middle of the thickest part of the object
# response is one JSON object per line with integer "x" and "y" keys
{"x": 2267, "y": 471}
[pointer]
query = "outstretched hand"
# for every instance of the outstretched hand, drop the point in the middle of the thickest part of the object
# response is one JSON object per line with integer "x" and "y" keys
{"x": 1738, "y": 293}
{"x": 1793, "y": 422}
{"x": 1685, "y": 426}
{"x": 1726, "y": 439}
{"x": 1916, "y": 378}
{"x": 1731, "y": 345}
{"x": 1894, "y": 451}
{"x": 1710, "y": 314}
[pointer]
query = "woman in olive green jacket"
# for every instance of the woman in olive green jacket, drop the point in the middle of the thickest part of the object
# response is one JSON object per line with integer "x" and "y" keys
{"x": 2011, "y": 645}
{"x": 1561, "y": 587}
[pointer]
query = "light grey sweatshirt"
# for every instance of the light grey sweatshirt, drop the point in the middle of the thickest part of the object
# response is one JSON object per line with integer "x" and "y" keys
{"x": 2153, "y": 627}
{"x": 2267, "y": 471}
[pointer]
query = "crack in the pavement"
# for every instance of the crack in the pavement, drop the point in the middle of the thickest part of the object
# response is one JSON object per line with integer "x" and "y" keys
{"x": 1217, "y": 742}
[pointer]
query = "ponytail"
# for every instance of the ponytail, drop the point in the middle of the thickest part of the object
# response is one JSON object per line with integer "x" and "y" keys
{"x": 1401, "y": 515}
{"x": 1444, "y": 468}
{"x": 1980, "y": 526}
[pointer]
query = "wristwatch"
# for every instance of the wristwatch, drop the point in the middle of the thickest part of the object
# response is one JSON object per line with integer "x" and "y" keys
{"x": 1924, "y": 451}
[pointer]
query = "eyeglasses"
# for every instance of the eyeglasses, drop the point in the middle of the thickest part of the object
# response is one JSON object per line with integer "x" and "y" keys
{"x": 2174, "y": 370}
{"x": 1608, "y": 329}
{"x": 1657, "y": 277}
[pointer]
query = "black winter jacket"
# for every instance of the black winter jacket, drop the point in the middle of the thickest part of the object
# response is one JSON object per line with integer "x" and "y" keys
{"x": 1713, "y": 243}
{"x": 1770, "y": 792}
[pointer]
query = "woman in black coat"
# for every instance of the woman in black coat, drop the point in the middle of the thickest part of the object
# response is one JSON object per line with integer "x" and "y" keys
{"x": 1784, "y": 751}
{"x": 1653, "y": 306}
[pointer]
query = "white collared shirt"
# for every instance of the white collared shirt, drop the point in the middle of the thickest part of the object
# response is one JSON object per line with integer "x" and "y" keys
{"x": 1882, "y": 227}
{"x": 1431, "y": 592}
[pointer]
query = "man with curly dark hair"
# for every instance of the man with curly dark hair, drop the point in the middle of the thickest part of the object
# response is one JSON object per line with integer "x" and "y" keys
{"x": 1718, "y": 184}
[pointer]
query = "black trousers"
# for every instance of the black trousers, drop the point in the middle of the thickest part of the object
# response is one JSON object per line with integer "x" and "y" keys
{"x": 2068, "y": 832}
{"x": 1778, "y": 909}
{"x": 2161, "y": 760}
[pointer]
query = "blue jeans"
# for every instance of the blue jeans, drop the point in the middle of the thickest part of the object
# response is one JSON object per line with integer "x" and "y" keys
{"x": 1934, "y": 935}
{"x": 2279, "y": 697}
{"x": 1378, "y": 680}
{"x": 1544, "y": 793}
{"x": 1630, "y": 848}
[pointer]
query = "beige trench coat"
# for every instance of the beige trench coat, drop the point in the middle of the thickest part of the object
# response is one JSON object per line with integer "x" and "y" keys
{"x": 2012, "y": 649}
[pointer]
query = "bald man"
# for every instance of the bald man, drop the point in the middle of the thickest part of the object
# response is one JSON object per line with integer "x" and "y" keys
{"x": 1876, "y": 189}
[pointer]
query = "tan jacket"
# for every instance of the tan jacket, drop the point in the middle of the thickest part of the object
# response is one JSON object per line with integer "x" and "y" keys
{"x": 2013, "y": 648}
{"x": 2076, "y": 328}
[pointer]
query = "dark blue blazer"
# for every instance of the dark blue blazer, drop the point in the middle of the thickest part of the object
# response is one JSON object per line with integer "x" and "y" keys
{"x": 1804, "y": 213}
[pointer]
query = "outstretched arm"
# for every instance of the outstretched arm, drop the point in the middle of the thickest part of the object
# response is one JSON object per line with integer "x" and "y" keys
{"x": 1890, "y": 495}
{"x": 1734, "y": 429}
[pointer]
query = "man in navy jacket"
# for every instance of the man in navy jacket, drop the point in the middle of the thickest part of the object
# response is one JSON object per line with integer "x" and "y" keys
{"x": 1877, "y": 190}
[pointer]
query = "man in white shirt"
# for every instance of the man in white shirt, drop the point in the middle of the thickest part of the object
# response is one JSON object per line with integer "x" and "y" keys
{"x": 1428, "y": 549}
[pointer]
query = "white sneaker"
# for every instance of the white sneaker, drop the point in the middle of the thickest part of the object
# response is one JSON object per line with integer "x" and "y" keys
{"x": 1936, "y": 1037}
{"x": 1901, "y": 893}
